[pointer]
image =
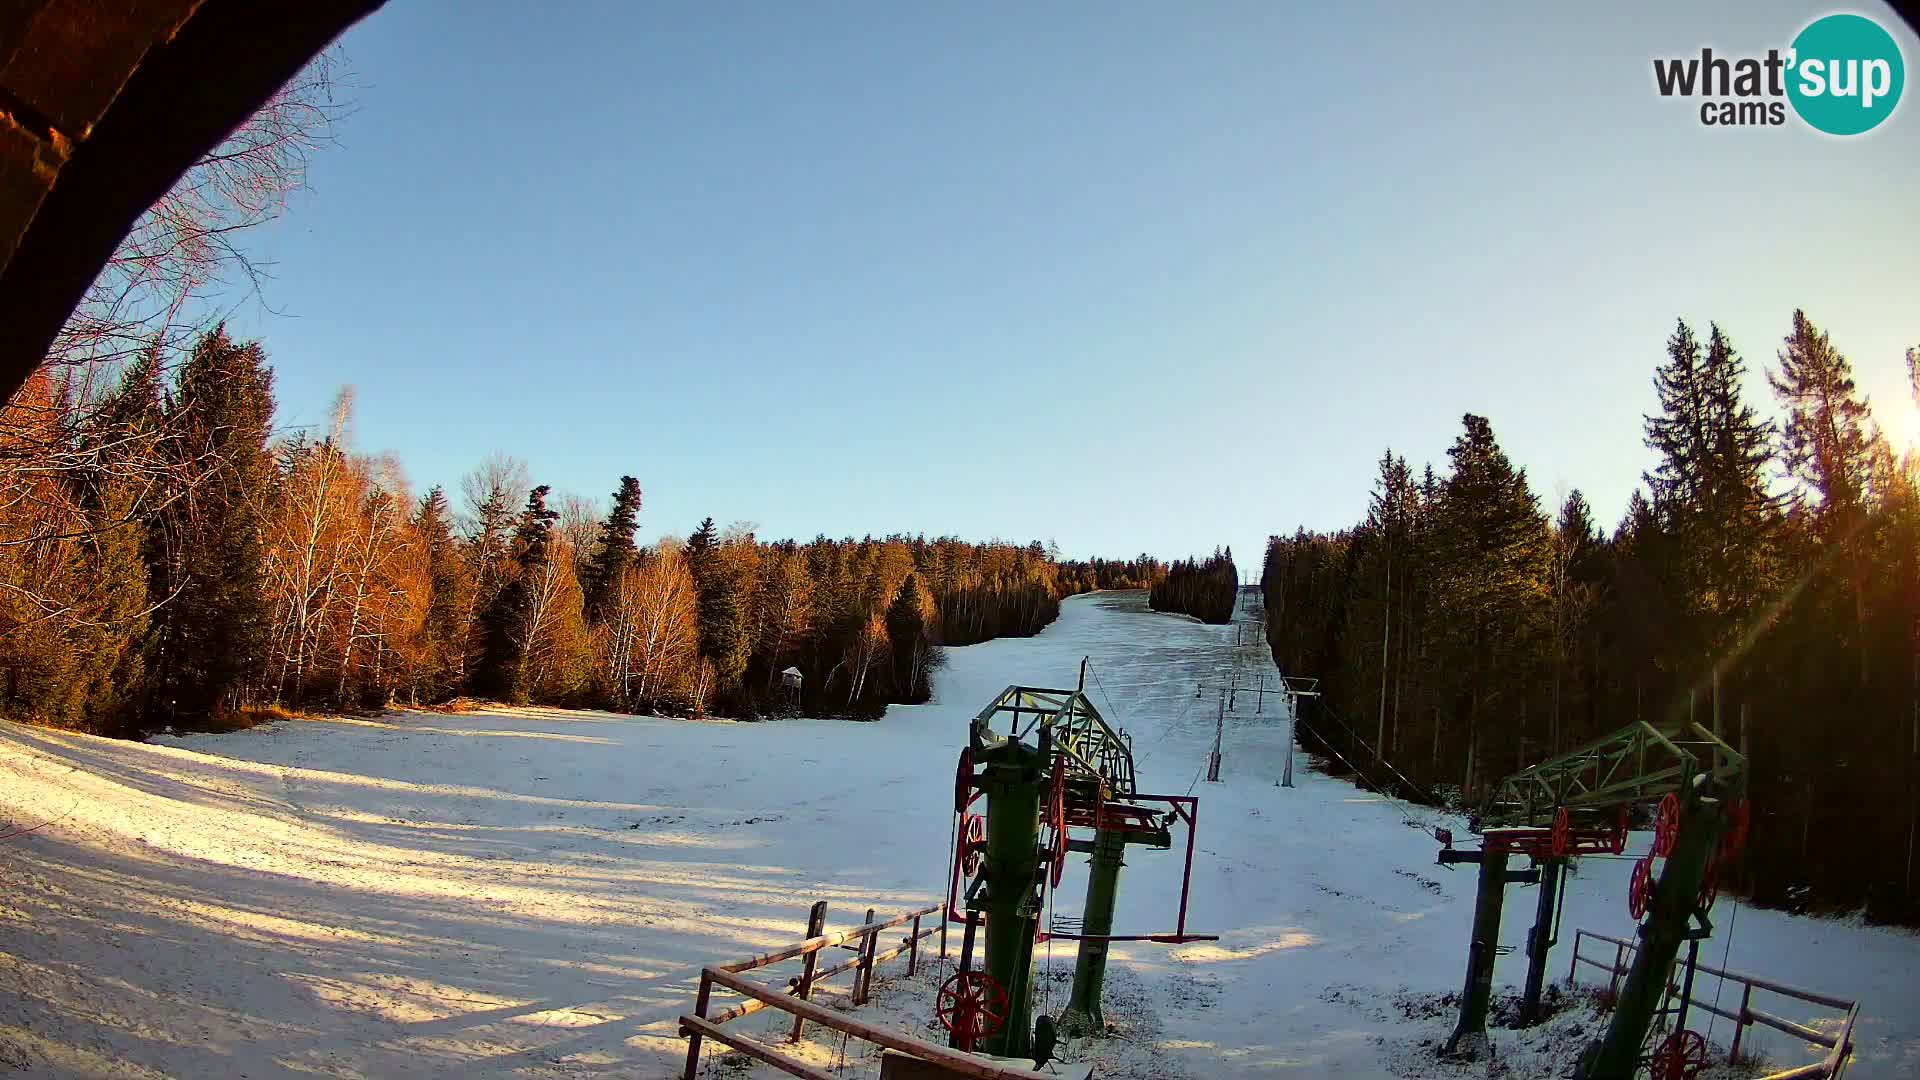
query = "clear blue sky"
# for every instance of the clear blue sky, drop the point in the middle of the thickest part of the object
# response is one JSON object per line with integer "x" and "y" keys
{"x": 1128, "y": 276}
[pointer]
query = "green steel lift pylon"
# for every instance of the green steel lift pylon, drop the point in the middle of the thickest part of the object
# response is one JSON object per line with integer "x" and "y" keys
{"x": 1009, "y": 896}
{"x": 1077, "y": 773}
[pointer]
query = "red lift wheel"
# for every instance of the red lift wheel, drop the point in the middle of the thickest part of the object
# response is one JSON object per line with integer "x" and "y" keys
{"x": 1562, "y": 832}
{"x": 1739, "y": 820}
{"x": 1666, "y": 825}
{"x": 1680, "y": 1056}
{"x": 1620, "y": 833}
{"x": 1057, "y": 806}
{"x": 973, "y": 845}
{"x": 1709, "y": 886}
{"x": 972, "y": 1006}
{"x": 963, "y": 781}
{"x": 1640, "y": 887}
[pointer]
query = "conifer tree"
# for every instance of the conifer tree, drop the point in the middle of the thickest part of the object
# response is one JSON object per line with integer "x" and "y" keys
{"x": 1827, "y": 446}
{"x": 1491, "y": 578}
{"x": 208, "y": 640}
{"x": 1710, "y": 492}
{"x": 444, "y": 631}
{"x": 505, "y": 622}
{"x": 615, "y": 551}
{"x": 724, "y": 606}
{"x": 910, "y": 640}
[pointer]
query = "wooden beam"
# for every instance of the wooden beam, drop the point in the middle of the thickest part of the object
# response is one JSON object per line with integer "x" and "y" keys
{"x": 757, "y": 1051}
{"x": 965, "y": 1064}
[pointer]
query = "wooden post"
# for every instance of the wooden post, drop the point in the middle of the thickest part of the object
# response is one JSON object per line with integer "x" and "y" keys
{"x": 863, "y": 974}
{"x": 913, "y": 948}
{"x": 1613, "y": 978}
{"x": 946, "y": 916}
{"x": 693, "y": 1037}
{"x": 1740, "y": 1025}
{"x": 1574, "y": 964}
{"x": 816, "y": 925}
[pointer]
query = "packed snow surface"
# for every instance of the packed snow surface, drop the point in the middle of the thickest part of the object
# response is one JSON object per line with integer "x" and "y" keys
{"x": 531, "y": 892}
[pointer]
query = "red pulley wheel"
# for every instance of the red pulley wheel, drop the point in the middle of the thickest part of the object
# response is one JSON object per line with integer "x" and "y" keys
{"x": 1709, "y": 887}
{"x": 1640, "y": 887}
{"x": 972, "y": 1006}
{"x": 1562, "y": 832}
{"x": 973, "y": 844}
{"x": 963, "y": 781}
{"x": 1666, "y": 825}
{"x": 1680, "y": 1056}
{"x": 1058, "y": 808}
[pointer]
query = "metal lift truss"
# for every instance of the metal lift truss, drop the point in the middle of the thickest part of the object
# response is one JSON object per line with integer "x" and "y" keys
{"x": 1635, "y": 764}
{"x": 1094, "y": 751}
{"x": 1579, "y": 803}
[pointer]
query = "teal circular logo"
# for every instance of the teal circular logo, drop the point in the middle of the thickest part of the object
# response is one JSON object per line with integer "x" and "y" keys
{"x": 1846, "y": 74}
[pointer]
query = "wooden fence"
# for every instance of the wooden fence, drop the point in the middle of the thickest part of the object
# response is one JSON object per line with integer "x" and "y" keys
{"x": 864, "y": 941}
{"x": 1839, "y": 1045}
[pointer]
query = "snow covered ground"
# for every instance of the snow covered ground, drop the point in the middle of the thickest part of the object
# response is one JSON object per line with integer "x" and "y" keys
{"x": 530, "y": 893}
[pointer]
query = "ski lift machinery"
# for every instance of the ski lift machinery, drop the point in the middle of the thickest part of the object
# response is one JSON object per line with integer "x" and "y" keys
{"x": 1054, "y": 778}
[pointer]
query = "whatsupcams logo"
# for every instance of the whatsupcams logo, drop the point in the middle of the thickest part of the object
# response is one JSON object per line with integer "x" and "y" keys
{"x": 1842, "y": 75}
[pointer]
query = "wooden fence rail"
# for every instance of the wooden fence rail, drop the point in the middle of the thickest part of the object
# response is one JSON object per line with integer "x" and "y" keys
{"x": 864, "y": 941}
{"x": 1839, "y": 1045}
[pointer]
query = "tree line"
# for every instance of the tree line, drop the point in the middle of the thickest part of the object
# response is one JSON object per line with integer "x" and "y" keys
{"x": 1205, "y": 589}
{"x": 1088, "y": 575}
{"x": 167, "y": 558}
{"x": 1764, "y": 582}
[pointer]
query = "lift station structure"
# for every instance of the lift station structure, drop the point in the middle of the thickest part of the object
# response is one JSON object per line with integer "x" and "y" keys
{"x": 1054, "y": 778}
{"x": 1582, "y": 803}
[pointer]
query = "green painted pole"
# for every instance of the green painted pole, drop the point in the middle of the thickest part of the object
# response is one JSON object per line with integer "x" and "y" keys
{"x": 1661, "y": 936}
{"x": 1015, "y": 776}
{"x": 1478, "y": 993}
{"x": 1083, "y": 1014}
{"x": 1540, "y": 939}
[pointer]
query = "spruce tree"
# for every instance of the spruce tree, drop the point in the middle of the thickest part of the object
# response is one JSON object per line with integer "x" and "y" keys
{"x": 1827, "y": 446}
{"x": 910, "y": 640}
{"x": 208, "y": 640}
{"x": 451, "y": 582}
{"x": 1710, "y": 492}
{"x": 504, "y": 623}
{"x": 1827, "y": 441}
{"x": 615, "y": 551}
{"x": 724, "y": 607}
{"x": 1490, "y": 582}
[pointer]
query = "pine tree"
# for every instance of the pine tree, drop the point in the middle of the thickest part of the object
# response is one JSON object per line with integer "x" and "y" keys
{"x": 724, "y": 607}
{"x": 450, "y": 581}
{"x": 1490, "y": 581}
{"x": 1826, "y": 443}
{"x": 208, "y": 641}
{"x": 1827, "y": 446}
{"x": 910, "y": 640}
{"x": 1710, "y": 491}
{"x": 505, "y": 624}
{"x": 615, "y": 551}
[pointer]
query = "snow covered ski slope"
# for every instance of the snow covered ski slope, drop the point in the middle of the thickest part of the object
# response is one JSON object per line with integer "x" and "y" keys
{"x": 529, "y": 893}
